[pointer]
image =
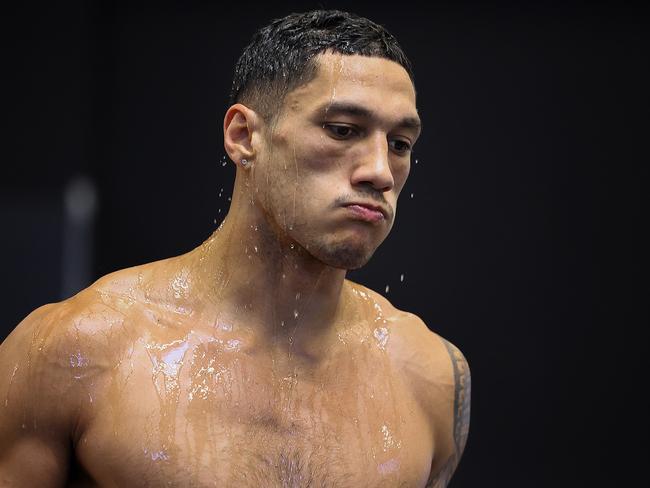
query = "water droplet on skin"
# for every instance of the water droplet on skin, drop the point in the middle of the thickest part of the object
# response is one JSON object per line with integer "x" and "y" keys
{"x": 387, "y": 288}
{"x": 297, "y": 296}
{"x": 388, "y": 438}
{"x": 255, "y": 248}
{"x": 78, "y": 361}
{"x": 160, "y": 455}
{"x": 223, "y": 326}
{"x": 180, "y": 284}
{"x": 295, "y": 314}
{"x": 381, "y": 334}
{"x": 292, "y": 246}
{"x": 388, "y": 466}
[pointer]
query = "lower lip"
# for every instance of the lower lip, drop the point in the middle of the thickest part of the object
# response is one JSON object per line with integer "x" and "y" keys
{"x": 365, "y": 213}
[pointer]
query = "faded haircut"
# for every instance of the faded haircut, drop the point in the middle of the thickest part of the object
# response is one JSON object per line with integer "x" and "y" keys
{"x": 282, "y": 55}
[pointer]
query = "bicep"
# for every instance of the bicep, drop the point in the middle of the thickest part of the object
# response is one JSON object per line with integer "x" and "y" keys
{"x": 462, "y": 390}
{"x": 32, "y": 461}
{"x": 462, "y": 397}
{"x": 33, "y": 444}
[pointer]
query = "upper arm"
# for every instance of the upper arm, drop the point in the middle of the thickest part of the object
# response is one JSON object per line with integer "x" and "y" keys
{"x": 461, "y": 415}
{"x": 34, "y": 414}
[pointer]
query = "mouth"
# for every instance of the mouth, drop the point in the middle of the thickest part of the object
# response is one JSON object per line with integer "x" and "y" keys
{"x": 367, "y": 211}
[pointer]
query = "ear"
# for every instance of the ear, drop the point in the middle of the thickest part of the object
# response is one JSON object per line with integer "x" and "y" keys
{"x": 239, "y": 124}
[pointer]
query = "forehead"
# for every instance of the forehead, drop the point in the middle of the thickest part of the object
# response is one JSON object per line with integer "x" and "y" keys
{"x": 378, "y": 84}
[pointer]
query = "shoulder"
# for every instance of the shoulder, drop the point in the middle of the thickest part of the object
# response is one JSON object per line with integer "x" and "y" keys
{"x": 417, "y": 341}
{"x": 50, "y": 365}
{"x": 430, "y": 361}
{"x": 437, "y": 369}
{"x": 41, "y": 364}
{"x": 52, "y": 337}
{"x": 58, "y": 349}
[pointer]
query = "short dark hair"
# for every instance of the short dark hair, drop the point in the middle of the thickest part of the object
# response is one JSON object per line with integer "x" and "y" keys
{"x": 281, "y": 55}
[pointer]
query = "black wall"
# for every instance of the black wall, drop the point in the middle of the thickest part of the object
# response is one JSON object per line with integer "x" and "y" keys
{"x": 521, "y": 244}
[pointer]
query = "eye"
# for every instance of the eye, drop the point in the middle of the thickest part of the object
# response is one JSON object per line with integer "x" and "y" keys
{"x": 340, "y": 131}
{"x": 400, "y": 146}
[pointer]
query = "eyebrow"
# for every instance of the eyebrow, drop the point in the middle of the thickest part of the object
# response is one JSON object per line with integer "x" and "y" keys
{"x": 355, "y": 110}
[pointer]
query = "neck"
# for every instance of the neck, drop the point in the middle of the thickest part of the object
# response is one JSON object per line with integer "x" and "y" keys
{"x": 260, "y": 280}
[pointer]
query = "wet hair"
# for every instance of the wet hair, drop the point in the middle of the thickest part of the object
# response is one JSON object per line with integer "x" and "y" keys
{"x": 281, "y": 55}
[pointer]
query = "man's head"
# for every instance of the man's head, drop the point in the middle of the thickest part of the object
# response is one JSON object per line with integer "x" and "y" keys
{"x": 282, "y": 55}
{"x": 336, "y": 132}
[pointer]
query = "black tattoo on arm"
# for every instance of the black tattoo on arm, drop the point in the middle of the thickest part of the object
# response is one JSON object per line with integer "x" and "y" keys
{"x": 462, "y": 395}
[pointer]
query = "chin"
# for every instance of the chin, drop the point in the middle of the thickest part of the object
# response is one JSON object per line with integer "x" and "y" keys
{"x": 344, "y": 256}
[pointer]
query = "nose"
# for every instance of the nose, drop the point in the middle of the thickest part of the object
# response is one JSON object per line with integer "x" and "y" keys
{"x": 373, "y": 166}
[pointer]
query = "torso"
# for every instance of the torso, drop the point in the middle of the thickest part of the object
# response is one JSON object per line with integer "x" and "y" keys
{"x": 181, "y": 403}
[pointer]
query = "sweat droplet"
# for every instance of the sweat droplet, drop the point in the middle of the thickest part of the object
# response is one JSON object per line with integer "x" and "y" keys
{"x": 295, "y": 314}
{"x": 381, "y": 334}
{"x": 224, "y": 326}
{"x": 388, "y": 466}
{"x": 389, "y": 441}
{"x": 160, "y": 455}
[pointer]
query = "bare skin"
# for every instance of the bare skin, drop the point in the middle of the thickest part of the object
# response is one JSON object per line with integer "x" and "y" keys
{"x": 251, "y": 361}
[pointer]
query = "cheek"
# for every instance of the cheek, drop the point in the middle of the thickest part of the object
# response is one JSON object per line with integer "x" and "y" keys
{"x": 401, "y": 173}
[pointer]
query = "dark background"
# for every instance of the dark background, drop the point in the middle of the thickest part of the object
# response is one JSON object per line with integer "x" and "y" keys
{"x": 521, "y": 244}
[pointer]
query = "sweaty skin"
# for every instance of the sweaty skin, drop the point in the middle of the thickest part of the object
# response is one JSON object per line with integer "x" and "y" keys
{"x": 251, "y": 361}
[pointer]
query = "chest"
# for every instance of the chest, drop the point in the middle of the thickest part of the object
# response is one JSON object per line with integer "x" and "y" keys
{"x": 189, "y": 415}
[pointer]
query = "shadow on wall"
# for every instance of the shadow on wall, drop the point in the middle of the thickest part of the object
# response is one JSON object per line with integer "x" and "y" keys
{"x": 47, "y": 246}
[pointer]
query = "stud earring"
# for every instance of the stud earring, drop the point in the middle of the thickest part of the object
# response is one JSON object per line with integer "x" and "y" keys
{"x": 244, "y": 162}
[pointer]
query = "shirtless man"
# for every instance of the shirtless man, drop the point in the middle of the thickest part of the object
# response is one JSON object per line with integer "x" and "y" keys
{"x": 251, "y": 361}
